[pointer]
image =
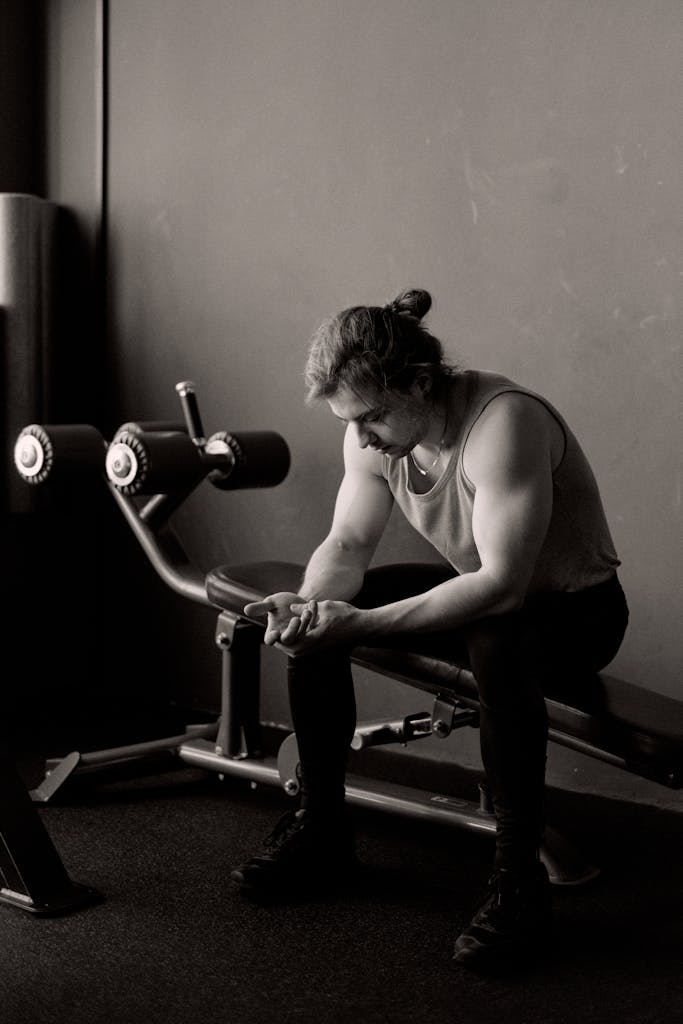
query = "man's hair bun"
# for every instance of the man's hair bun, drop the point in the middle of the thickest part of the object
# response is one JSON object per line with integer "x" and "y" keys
{"x": 381, "y": 349}
{"x": 413, "y": 302}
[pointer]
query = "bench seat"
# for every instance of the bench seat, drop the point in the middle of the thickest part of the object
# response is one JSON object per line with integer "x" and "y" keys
{"x": 626, "y": 725}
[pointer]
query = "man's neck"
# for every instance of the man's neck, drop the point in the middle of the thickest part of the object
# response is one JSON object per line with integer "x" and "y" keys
{"x": 446, "y": 414}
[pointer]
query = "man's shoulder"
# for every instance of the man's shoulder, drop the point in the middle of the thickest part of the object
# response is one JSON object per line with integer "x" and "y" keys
{"x": 363, "y": 461}
{"x": 494, "y": 397}
{"x": 512, "y": 422}
{"x": 509, "y": 410}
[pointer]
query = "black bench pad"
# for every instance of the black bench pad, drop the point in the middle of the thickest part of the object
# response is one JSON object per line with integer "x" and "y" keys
{"x": 623, "y": 724}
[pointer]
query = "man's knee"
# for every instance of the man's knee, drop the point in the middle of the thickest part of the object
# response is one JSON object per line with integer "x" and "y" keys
{"x": 494, "y": 638}
{"x": 505, "y": 658}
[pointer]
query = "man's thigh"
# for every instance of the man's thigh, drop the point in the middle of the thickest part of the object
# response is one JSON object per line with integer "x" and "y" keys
{"x": 397, "y": 581}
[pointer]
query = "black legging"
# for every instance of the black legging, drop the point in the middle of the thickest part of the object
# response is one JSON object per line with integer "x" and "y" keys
{"x": 553, "y": 646}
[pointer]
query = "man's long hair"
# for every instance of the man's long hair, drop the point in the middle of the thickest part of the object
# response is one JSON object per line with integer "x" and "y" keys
{"x": 376, "y": 349}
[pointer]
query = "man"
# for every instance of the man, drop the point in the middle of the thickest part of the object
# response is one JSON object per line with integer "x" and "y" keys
{"x": 493, "y": 477}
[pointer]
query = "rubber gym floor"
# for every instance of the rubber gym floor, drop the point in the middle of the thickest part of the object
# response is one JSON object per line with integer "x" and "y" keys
{"x": 173, "y": 942}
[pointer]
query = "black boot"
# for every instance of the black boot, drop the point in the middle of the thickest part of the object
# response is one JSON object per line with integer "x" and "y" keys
{"x": 513, "y": 920}
{"x": 306, "y": 854}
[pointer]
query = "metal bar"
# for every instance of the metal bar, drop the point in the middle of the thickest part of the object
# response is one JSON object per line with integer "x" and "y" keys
{"x": 566, "y": 866}
{"x": 240, "y": 644}
{"x": 136, "y": 750}
{"x": 202, "y": 754}
{"x": 380, "y": 795}
{"x": 172, "y": 565}
{"x": 400, "y": 730}
{"x": 564, "y": 740}
{"x": 60, "y": 770}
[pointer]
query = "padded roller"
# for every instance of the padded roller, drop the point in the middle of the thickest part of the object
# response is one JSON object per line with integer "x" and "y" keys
{"x": 150, "y": 463}
{"x": 41, "y": 451}
{"x": 254, "y": 459}
{"x": 153, "y": 427}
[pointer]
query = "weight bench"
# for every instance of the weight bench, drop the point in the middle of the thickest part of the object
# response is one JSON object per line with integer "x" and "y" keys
{"x": 636, "y": 730}
{"x": 629, "y": 727}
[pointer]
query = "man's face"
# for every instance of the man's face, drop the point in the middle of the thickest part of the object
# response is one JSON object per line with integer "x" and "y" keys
{"x": 389, "y": 422}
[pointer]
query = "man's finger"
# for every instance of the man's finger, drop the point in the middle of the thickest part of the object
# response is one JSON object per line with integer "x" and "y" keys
{"x": 257, "y": 608}
{"x": 307, "y": 610}
{"x": 292, "y": 630}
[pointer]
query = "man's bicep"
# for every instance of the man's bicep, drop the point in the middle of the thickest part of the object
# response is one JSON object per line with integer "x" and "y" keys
{"x": 509, "y": 526}
{"x": 364, "y": 501}
{"x": 513, "y": 502}
{"x": 361, "y": 511}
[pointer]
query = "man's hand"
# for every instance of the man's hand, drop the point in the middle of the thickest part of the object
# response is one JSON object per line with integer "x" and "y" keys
{"x": 325, "y": 624}
{"x": 284, "y": 625}
{"x": 305, "y": 626}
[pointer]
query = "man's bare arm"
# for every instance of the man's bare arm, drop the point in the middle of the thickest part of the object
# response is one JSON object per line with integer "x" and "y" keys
{"x": 362, "y": 509}
{"x": 336, "y": 568}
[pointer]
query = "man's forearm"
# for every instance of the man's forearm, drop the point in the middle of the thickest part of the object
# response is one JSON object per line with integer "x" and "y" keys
{"x": 448, "y": 606}
{"x": 334, "y": 572}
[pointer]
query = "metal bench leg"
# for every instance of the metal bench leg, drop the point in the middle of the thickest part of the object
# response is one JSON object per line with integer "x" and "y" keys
{"x": 239, "y": 731}
{"x": 32, "y": 874}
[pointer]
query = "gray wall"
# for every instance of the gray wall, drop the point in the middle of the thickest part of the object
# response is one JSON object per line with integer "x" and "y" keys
{"x": 273, "y": 162}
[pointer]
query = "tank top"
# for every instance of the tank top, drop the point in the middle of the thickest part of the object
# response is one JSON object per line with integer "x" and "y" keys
{"x": 577, "y": 552}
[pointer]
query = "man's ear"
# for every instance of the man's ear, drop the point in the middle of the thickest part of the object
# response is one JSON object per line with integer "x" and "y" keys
{"x": 423, "y": 384}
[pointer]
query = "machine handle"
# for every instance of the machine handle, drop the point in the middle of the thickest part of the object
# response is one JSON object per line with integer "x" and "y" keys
{"x": 188, "y": 400}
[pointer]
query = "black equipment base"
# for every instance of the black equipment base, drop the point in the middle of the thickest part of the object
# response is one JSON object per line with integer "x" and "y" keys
{"x": 32, "y": 874}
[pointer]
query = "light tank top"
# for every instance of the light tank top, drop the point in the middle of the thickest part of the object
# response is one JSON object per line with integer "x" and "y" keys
{"x": 577, "y": 552}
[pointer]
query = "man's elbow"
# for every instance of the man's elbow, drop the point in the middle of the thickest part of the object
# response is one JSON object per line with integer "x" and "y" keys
{"x": 350, "y": 550}
{"x": 507, "y": 595}
{"x": 510, "y": 600}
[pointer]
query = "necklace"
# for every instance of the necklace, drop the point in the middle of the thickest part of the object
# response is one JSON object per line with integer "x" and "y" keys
{"x": 418, "y": 467}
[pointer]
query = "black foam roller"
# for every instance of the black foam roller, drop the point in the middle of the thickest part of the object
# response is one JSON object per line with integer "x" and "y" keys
{"x": 253, "y": 459}
{"x": 44, "y": 451}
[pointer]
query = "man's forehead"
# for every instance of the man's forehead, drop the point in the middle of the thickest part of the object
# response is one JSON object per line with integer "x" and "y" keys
{"x": 347, "y": 405}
